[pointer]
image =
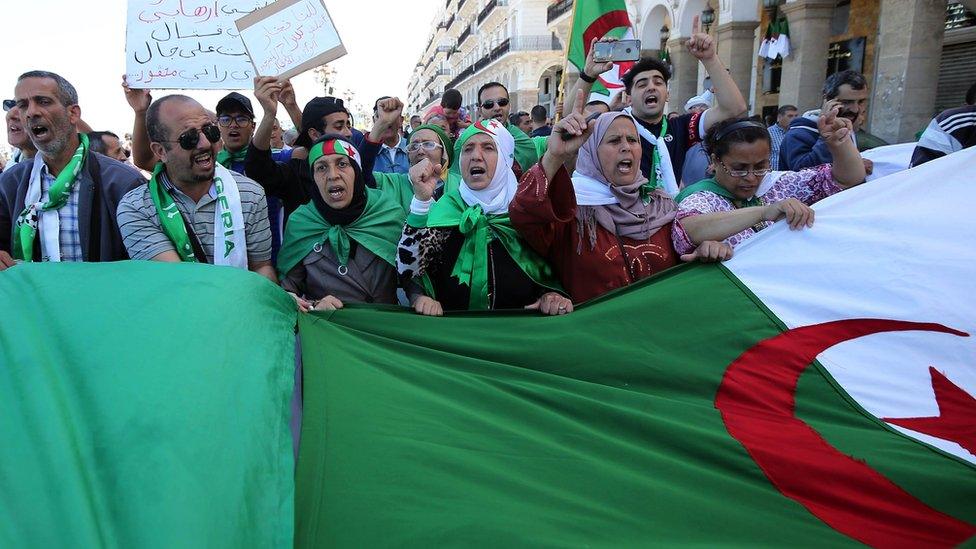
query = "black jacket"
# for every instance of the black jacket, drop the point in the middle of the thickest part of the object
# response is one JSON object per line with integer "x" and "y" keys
{"x": 102, "y": 184}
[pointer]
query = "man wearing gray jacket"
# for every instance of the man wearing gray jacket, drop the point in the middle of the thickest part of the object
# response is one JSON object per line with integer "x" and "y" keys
{"x": 62, "y": 205}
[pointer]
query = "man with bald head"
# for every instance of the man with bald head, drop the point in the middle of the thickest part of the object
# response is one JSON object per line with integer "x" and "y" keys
{"x": 194, "y": 209}
{"x": 61, "y": 205}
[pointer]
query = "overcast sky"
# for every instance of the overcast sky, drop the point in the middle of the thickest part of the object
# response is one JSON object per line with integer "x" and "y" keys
{"x": 85, "y": 43}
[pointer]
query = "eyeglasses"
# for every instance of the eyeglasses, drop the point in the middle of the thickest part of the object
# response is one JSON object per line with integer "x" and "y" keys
{"x": 189, "y": 139}
{"x": 490, "y": 104}
{"x": 9, "y": 104}
{"x": 425, "y": 145}
{"x": 241, "y": 120}
{"x": 744, "y": 173}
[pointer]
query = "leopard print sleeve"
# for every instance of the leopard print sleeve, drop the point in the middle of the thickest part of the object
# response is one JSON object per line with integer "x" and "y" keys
{"x": 419, "y": 250}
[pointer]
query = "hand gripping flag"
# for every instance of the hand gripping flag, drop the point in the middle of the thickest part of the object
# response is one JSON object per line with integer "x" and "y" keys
{"x": 599, "y": 19}
{"x": 817, "y": 390}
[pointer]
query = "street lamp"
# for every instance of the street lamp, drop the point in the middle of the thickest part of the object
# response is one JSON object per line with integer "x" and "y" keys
{"x": 707, "y": 18}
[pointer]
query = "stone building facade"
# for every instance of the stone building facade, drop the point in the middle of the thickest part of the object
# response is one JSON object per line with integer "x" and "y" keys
{"x": 918, "y": 56}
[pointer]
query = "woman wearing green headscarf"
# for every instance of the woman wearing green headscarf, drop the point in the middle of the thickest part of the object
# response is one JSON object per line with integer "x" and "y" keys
{"x": 427, "y": 143}
{"x": 341, "y": 246}
{"x": 464, "y": 245}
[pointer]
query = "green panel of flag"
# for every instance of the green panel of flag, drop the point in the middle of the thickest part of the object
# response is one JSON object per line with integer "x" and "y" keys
{"x": 145, "y": 405}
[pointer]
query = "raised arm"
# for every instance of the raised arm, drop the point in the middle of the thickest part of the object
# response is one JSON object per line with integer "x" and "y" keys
{"x": 267, "y": 89}
{"x": 847, "y": 167}
{"x": 139, "y": 100}
{"x": 592, "y": 70}
{"x": 730, "y": 102}
{"x": 290, "y": 102}
{"x": 389, "y": 113}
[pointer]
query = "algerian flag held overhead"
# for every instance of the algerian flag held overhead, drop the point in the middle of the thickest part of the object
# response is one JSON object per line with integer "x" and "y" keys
{"x": 816, "y": 390}
{"x": 599, "y": 19}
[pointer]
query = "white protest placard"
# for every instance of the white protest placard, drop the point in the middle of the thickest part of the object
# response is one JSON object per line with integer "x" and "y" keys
{"x": 290, "y": 37}
{"x": 188, "y": 44}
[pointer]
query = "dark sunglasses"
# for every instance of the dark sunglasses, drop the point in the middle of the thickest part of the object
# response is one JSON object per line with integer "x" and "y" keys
{"x": 9, "y": 104}
{"x": 490, "y": 104}
{"x": 189, "y": 139}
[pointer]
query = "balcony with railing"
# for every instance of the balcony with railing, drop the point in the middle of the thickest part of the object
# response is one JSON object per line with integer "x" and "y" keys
{"x": 557, "y": 9}
{"x": 514, "y": 44}
{"x": 489, "y": 7}
{"x": 446, "y": 24}
{"x": 461, "y": 4}
{"x": 464, "y": 35}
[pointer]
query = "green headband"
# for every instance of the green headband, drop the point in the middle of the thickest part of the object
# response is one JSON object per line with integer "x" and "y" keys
{"x": 446, "y": 140}
{"x": 333, "y": 146}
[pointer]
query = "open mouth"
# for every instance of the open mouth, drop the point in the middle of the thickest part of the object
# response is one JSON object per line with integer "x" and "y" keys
{"x": 651, "y": 101}
{"x": 625, "y": 167}
{"x": 477, "y": 170}
{"x": 15, "y": 129}
{"x": 39, "y": 131}
{"x": 233, "y": 134}
{"x": 204, "y": 160}
{"x": 336, "y": 192}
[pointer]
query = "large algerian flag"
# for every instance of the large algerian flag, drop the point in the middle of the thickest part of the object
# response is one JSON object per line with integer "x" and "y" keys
{"x": 599, "y": 19}
{"x": 815, "y": 391}
{"x": 145, "y": 405}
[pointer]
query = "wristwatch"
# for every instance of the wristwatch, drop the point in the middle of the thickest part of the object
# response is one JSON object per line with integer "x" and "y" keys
{"x": 587, "y": 78}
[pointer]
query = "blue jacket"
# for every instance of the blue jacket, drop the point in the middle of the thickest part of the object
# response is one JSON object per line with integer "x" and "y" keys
{"x": 385, "y": 165}
{"x": 802, "y": 146}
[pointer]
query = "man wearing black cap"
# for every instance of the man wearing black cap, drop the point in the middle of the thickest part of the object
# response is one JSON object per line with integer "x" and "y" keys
{"x": 291, "y": 181}
{"x": 235, "y": 118}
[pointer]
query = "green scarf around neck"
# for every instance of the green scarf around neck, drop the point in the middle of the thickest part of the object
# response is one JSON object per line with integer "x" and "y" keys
{"x": 378, "y": 229}
{"x": 713, "y": 186}
{"x": 170, "y": 218}
{"x": 58, "y": 196}
{"x": 471, "y": 267}
{"x": 228, "y": 159}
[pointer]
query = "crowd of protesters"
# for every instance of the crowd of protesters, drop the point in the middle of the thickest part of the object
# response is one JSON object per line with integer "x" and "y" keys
{"x": 460, "y": 210}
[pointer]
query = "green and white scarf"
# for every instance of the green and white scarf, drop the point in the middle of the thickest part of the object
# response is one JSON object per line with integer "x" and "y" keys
{"x": 43, "y": 216}
{"x": 230, "y": 246}
{"x": 227, "y": 159}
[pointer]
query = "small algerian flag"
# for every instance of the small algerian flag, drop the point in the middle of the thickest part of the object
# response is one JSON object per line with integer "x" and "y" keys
{"x": 764, "y": 46}
{"x": 816, "y": 390}
{"x": 773, "y": 49}
{"x": 599, "y": 19}
{"x": 783, "y": 44}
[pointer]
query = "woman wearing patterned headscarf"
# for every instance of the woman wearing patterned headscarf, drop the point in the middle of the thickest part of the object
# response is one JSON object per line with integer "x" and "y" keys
{"x": 341, "y": 246}
{"x": 607, "y": 226}
{"x": 464, "y": 246}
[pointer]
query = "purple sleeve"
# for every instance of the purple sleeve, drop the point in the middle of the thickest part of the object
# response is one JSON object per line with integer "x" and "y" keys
{"x": 807, "y": 186}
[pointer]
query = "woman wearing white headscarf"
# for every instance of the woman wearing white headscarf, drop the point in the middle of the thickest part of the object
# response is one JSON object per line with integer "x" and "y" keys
{"x": 463, "y": 246}
{"x": 607, "y": 226}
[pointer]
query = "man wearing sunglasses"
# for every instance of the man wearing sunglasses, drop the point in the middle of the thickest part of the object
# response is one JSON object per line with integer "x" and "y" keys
{"x": 60, "y": 206}
{"x": 194, "y": 209}
{"x": 494, "y": 102}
